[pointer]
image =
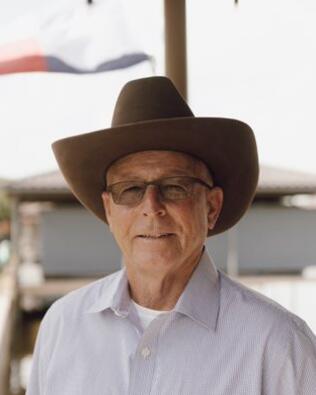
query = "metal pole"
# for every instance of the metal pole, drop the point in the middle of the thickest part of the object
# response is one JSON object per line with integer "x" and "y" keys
{"x": 15, "y": 226}
{"x": 232, "y": 252}
{"x": 175, "y": 44}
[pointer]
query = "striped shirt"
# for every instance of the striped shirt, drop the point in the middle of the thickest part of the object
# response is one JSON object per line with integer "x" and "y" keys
{"x": 221, "y": 338}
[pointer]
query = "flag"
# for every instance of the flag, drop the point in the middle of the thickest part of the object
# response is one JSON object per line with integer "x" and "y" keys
{"x": 76, "y": 38}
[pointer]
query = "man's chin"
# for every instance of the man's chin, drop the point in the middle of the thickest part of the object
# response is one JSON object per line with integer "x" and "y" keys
{"x": 154, "y": 259}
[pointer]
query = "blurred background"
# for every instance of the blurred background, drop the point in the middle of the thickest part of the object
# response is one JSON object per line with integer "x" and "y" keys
{"x": 62, "y": 65}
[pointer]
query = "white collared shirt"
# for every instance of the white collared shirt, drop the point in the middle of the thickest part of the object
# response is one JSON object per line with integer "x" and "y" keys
{"x": 221, "y": 339}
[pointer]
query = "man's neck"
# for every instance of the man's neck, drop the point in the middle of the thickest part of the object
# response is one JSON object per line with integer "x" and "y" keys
{"x": 160, "y": 292}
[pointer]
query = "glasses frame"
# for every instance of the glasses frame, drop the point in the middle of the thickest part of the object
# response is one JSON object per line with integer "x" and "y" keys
{"x": 157, "y": 183}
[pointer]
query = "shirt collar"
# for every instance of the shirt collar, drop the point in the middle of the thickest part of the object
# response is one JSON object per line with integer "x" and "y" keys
{"x": 201, "y": 296}
{"x": 199, "y": 300}
{"x": 113, "y": 294}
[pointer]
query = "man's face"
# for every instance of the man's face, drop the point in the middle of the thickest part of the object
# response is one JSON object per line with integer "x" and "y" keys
{"x": 157, "y": 234}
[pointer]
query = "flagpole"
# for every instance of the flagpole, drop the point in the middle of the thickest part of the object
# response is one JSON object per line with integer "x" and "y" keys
{"x": 175, "y": 44}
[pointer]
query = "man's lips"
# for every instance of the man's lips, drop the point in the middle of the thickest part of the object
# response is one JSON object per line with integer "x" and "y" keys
{"x": 153, "y": 236}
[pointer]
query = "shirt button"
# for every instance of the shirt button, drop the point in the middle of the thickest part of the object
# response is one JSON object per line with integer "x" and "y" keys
{"x": 145, "y": 352}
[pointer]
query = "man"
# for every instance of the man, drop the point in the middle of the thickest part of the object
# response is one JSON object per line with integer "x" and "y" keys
{"x": 168, "y": 322}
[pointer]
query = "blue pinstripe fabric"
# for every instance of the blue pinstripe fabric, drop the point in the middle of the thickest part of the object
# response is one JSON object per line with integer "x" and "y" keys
{"x": 220, "y": 339}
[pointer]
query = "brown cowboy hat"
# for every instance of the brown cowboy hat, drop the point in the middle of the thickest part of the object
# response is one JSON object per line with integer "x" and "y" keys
{"x": 150, "y": 114}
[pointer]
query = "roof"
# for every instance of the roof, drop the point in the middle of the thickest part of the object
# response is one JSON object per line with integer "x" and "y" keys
{"x": 45, "y": 186}
{"x": 52, "y": 182}
{"x": 273, "y": 182}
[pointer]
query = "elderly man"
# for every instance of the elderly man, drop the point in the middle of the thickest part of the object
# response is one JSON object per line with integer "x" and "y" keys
{"x": 169, "y": 322}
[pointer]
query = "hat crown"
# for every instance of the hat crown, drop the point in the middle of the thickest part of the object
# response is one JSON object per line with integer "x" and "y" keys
{"x": 148, "y": 99}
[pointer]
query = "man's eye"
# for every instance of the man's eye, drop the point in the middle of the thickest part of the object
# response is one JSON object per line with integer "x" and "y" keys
{"x": 174, "y": 190}
{"x": 132, "y": 189}
{"x": 176, "y": 185}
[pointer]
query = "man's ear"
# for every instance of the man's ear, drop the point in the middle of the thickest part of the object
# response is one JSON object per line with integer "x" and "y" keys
{"x": 215, "y": 198}
{"x": 107, "y": 206}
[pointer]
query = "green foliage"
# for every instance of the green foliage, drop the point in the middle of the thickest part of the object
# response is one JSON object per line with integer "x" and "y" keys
{"x": 4, "y": 206}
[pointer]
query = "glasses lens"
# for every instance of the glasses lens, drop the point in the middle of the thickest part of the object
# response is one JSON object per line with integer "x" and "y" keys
{"x": 176, "y": 188}
{"x": 127, "y": 193}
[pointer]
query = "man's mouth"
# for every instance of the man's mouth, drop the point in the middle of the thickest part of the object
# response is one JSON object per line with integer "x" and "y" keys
{"x": 155, "y": 236}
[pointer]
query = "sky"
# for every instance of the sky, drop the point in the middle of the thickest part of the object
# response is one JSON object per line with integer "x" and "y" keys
{"x": 255, "y": 62}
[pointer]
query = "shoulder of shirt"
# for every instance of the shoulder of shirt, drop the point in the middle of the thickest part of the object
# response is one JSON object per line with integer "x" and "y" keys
{"x": 263, "y": 313}
{"x": 79, "y": 300}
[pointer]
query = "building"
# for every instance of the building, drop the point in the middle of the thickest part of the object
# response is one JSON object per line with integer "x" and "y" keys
{"x": 276, "y": 235}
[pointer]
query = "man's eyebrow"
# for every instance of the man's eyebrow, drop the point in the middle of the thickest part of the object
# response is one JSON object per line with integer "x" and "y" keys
{"x": 168, "y": 173}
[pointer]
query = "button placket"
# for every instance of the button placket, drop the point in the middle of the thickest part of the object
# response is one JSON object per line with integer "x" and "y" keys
{"x": 145, "y": 352}
{"x": 144, "y": 361}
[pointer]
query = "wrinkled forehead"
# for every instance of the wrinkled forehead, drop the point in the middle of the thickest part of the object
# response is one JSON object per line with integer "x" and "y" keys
{"x": 156, "y": 161}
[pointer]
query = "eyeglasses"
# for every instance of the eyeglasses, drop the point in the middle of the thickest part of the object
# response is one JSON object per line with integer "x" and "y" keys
{"x": 130, "y": 193}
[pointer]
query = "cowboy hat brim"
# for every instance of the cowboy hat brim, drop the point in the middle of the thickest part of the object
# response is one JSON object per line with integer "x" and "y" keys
{"x": 226, "y": 146}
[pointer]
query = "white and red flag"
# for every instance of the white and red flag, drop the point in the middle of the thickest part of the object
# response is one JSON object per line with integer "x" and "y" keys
{"x": 76, "y": 38}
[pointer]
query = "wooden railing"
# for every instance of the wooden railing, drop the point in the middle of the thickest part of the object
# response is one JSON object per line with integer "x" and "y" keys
{"x": 8, "y": 302}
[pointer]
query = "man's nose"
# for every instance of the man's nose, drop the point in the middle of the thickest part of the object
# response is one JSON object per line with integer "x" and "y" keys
{"x": 152, "y": 203}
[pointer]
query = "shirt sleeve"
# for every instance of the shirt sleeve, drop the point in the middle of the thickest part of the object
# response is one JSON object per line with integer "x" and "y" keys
{"x": 34, "y": 383}
{"x": 42, "y": 351}
{"x": 296, "y": 373}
